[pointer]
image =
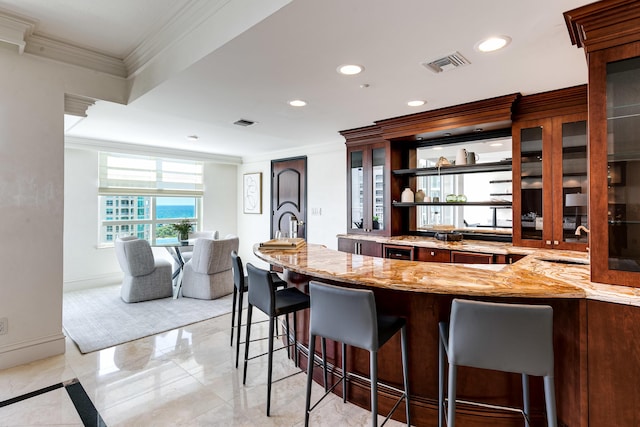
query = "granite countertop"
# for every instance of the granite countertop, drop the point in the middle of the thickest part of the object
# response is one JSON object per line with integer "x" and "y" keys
{"x": 534, "y": 276}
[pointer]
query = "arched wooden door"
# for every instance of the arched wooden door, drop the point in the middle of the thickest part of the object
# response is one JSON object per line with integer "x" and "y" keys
{"x": 289, "y": 194}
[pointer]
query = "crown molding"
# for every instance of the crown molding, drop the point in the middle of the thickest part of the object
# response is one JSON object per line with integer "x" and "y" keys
{"x": 125, "y": 147}
{"x": 15, "y": 30}
{"x": 185, "y": 20}
{"x": 50, "y": 48}
{"x": 76, "y": 105}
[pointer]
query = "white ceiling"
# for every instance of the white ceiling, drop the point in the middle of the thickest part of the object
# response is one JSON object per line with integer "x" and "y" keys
{"x": 294, "y": 53}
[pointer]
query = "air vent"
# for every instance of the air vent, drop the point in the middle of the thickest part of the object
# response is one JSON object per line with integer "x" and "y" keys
{"x": 243, "y": 122}
{"x": 447, "y": 63}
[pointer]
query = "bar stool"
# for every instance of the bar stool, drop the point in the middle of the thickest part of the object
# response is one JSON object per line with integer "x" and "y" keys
{"x": 263, "y": 295}
{"x": 240, "y": 282}
{"x": 349, "y": 316}
{"x": 503, "y": 337}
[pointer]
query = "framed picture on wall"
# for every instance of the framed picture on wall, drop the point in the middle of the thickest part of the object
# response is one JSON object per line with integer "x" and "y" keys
{"x": 252, "y": 193}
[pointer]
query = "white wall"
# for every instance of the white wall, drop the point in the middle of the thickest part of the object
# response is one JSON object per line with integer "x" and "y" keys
{"x": 85, "y": 264}
{"x": 326, "y": 189}
{"x": 31, "y": 193}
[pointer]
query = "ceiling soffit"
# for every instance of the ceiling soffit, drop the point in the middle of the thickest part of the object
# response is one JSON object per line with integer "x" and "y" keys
{"x": 23, "y": 33}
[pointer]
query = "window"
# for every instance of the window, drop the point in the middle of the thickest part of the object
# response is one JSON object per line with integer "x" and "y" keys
{"x": 149, "y": 193}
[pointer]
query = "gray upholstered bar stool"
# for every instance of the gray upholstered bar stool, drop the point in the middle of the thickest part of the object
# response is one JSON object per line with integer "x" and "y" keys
{"x": 349, "y": 316}
{"x": 240, "y": 286}
{"x": 504, "y": 337}
{"x": 263, "y": 296}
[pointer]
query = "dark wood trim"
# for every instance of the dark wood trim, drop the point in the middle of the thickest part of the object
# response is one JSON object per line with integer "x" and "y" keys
{"x": 604, "y": 24}
{"x": 493, "y": 110}
{"x": 553, "y": 103}
{"x": 362, "y": 135}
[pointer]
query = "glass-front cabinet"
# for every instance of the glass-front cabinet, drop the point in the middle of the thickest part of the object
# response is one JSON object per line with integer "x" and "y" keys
{"x": 616, "y": 184}
{"x": 550, "y": 173}
{"x": 367, "y": 192}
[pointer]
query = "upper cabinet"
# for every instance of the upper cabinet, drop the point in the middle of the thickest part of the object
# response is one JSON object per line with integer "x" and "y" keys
{"x": 368, "y": 188}
{"x": 550, "y": 174}
{"x": 550, "y": 170}
{"x": 609, "y": 32}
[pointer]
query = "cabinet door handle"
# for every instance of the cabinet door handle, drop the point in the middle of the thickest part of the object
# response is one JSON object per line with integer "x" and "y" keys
{"x": 555, "y": 242}
{"x": 433, "y": 253}
{"x": 548, "y": 242}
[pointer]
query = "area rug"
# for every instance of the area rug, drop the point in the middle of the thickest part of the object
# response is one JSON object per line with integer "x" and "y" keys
{"x": 97, "y": 318}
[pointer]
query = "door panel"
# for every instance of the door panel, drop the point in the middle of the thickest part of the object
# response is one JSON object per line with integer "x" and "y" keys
{"x": 288, "y": 194}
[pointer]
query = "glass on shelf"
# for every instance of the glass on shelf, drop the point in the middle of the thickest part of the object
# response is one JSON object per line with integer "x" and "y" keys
{"x": 623, "y": 120}
{"x": 357, "y": 184}
{"x": 531, "y": 189}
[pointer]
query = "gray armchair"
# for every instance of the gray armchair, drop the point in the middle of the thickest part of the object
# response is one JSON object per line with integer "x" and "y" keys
{"x": 145, "y": 278}
{"x": 208, "y": 274}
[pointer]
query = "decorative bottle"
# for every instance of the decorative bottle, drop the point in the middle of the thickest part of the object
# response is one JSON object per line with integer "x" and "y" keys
{"x": 419, "y": 196}
{"x": 407, "y": 196}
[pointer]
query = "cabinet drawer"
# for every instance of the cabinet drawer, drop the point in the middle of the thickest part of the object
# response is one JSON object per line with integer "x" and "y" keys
{"x": 360, "y": 247}
{"x": 398, "y": 252}
{"x": 432, "y": 255}
{"x": 471, "y": 258}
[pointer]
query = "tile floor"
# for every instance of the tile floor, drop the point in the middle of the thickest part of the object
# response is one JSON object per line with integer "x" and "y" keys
{"x": 184, "y": 377}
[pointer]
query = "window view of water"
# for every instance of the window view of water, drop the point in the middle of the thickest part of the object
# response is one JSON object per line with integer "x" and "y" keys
{"x": 175, "y": 211}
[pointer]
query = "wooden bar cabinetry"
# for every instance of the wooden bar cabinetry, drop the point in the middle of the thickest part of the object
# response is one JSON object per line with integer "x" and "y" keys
{"x": 609, "y": 32}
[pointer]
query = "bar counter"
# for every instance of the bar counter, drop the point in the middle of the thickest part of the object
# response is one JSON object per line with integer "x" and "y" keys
{"x": 590, "y": 319}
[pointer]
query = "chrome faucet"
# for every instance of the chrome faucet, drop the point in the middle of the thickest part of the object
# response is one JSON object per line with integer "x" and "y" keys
{"x": 581, "y": 228}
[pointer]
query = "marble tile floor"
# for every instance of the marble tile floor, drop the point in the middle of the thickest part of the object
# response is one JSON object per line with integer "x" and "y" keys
{"x": 184, "y": 377}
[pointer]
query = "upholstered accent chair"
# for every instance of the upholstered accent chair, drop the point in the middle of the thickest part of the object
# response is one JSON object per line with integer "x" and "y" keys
{"x": 187, "y": 251}
{"x": 145, "y": 278}
{"x": 208, "y": 275}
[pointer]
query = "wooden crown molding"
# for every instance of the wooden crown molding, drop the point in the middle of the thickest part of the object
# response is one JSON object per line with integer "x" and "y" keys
{"x": 493, "y": 110}
{"x": 604, "y": 24}
{"x": 553, "y": 103}
{"x": 363, "y": 135}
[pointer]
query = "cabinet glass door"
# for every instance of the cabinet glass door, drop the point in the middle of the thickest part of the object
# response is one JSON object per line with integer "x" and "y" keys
{"x": 377, "y": 198}
{"x": 575, "y": 182}
{"x": 531, "y": 201}
{"x": 357, "y": 189}
{"x": 623, "y": 177}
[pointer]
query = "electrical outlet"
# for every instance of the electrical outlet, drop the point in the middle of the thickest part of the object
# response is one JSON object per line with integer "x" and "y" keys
{"x": 4, "y": 325}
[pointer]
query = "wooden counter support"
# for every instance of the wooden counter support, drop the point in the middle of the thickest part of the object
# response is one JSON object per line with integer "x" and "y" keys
{"x": 422, "y": 292}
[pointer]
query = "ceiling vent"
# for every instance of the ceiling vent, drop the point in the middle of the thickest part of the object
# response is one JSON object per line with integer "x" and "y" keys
{"x": 243, "y": 122}
{"x": 447, "y": 63}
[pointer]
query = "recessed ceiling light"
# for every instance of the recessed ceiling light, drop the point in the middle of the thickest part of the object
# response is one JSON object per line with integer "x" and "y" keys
{"x": 297, "y": 103}
{"x": 192, "y": 138}
{"x": 493, "y": 43}
{"x": 350, "y": 69}
{"x": 416, "y": 103}
{"x": 437, "y": 148}
{"x": 496, "y": 144}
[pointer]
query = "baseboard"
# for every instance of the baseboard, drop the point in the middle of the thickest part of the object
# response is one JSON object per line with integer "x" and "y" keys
{"x": 28, "y": 351}
{"x": 92, "y": 282}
